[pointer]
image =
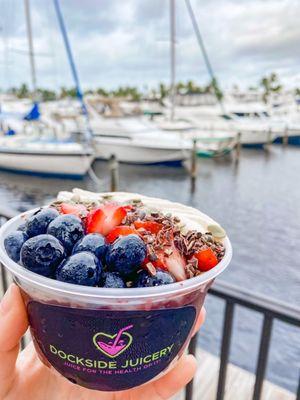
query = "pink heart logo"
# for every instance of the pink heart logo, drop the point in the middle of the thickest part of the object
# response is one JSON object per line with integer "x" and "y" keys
{"x": 113, "y": 345}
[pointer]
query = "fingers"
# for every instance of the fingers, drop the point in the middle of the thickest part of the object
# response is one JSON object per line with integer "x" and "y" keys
{"x": 177, "y": 378}
{"x": 200, "y": 320}
{"x": 13, "y": 323}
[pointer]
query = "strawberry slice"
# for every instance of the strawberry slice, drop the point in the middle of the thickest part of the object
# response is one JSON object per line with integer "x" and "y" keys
{"x": 206, "y": 259}
{"x": 175, "y": 264}
{"x": 75, "y": 209}
{"x": 95, "y": 221}
{"x": 159, "y": 263}
{"x": 122, "y": 230}
{"x": 150, "y": 226}
{"x": 104, "y": 219}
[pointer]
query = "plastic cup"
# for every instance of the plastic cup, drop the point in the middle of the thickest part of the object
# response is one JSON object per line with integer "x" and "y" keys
{"x": 109, "y": 339}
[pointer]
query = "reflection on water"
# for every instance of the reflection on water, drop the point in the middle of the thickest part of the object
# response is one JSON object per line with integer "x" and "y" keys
{"x": 258, "y": 201}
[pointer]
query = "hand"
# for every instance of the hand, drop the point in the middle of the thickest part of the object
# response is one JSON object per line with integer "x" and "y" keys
{"x": 23, "y": 376}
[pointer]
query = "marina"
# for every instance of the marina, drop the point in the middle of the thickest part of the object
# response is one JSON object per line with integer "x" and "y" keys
{"x": 231, "y": 153}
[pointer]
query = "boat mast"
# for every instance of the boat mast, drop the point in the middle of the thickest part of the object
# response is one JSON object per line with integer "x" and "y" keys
{"x": 30, "y": 48}
{"x": 173, "y": 56}
{"x": 204, "y": 52}
{"x": 79, "y": 93}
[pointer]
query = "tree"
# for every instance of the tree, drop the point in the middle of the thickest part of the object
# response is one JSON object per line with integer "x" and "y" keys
{"x": 72, "y": 92}
{"x": 46, "y": 95}
{"x": 270, "y": 84}
{"x": 213, "y": 88}
{"x": 23, "y": 91}
{"x": 102, "y": 92}
{"x": 163, "y": 91}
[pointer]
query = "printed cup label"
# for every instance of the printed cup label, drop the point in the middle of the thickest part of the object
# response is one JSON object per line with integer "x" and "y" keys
{"x": 109, "y": 350}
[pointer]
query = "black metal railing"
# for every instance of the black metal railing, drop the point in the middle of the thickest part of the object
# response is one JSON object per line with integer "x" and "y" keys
{"x": 233, "y": 296}
{"x": 270, "y": 309}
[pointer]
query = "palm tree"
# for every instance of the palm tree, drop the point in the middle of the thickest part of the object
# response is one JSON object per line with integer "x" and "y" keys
{"x": 163, "y": 91}
{"x": 270, "y": 84}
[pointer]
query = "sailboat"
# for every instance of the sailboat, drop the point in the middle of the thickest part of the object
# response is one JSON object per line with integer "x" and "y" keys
{"x": 131, "y": 139}
{"x": 37, "y": 153}
{"x": 215, "y": 121}
{"x": 209, "y": 143}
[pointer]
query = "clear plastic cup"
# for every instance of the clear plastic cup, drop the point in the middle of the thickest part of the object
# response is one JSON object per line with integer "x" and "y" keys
{"x": 109, "y": 339}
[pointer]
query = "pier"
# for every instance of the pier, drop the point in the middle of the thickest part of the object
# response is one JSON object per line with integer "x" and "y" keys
{"x": 239, "y": 385}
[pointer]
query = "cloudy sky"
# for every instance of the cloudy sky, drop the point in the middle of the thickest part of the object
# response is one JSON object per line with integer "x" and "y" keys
{"x": 117, "y": 42}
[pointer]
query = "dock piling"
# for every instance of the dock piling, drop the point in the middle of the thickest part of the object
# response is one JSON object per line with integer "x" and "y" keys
{"x": 285, "y": 139}
{"x": 238, "y": 148}
{"x": 269, "y": 140}
{"x": 113, "y": 165}
{"x": 193, "y": 171}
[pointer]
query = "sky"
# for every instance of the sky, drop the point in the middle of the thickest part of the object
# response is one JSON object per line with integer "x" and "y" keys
{"x": 118, "y": 42}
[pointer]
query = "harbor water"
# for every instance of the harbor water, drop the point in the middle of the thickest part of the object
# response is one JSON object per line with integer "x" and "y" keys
{"x": 257, "y": 201}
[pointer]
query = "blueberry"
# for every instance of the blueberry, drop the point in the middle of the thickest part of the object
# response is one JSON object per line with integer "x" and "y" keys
{"x": 42, "y": 254}
{"x": 112, "y": 280}
{"x": 146, "y": 280}
{"x": 94, "y": 243}
{"x": 38, "y": 223}
{"x": 81, "y": 269}
{"x": 13, "y": 243}
{"x": 68, "y": 229}
{"x": 22, "y": 227}
{"x": 126, "y": 255}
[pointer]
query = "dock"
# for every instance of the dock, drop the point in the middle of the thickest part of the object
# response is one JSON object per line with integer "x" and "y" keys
{"x": 239, "y": 382}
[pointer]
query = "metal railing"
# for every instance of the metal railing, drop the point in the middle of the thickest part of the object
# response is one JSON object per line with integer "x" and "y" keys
{"x": 270, "y": 309}
{"x": 233, "y": 296}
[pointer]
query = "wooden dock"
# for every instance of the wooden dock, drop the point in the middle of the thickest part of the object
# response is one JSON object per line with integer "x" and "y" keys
{"x": 239, "y": 382}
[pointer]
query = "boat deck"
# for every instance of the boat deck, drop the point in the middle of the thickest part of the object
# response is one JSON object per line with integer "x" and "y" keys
{"x": 239, "y": 382}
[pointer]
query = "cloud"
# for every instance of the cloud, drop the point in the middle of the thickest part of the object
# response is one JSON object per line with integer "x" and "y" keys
{"x": 127, "y": 42}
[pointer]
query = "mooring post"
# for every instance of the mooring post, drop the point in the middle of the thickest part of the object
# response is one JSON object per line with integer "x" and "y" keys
{"x": 267, "y": 146}
{"x": 114, "y": 173}
{"x": 238, "y": 147}
{"x": 193, "y": 171}
{"x": 285, "y": 139}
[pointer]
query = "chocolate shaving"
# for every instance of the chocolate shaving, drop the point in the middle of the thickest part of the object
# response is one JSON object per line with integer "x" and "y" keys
{"x": 173, "y": 232}
{"x": 151, "y": 269}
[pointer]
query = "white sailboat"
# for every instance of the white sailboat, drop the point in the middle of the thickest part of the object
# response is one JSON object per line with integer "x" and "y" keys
{"x": 31, "y": 145}
{"x": 46, "y": 158}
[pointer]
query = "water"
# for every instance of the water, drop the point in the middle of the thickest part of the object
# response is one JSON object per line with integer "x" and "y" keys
{"x": 259, "y": 204}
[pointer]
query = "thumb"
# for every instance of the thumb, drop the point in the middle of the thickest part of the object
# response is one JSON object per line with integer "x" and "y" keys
{"x": 13, "y": 323}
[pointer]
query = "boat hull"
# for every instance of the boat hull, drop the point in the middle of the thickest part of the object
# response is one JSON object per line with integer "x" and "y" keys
{"x": 46, "y": 164}
{"x": 293, "y": 140}
{"x": 256, "y": 139}
{"x": 130, "y": 153}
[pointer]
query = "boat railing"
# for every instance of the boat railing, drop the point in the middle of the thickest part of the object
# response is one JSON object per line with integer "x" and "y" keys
{"x": 233, "y": 296}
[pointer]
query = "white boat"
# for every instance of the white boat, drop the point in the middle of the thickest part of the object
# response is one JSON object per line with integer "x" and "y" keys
{"x": 138, "y": 141}
{"x": 141, "y": 149}
{"x": 209, "y": 143}
{"x": 43, "y": 157}
{"x": 255, "y": 131}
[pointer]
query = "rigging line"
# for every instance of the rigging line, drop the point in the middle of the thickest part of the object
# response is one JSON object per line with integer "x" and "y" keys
{"x": 204, "y": 52}
{"x": 64, "y": 33}
{"x": 173, "y": 56}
